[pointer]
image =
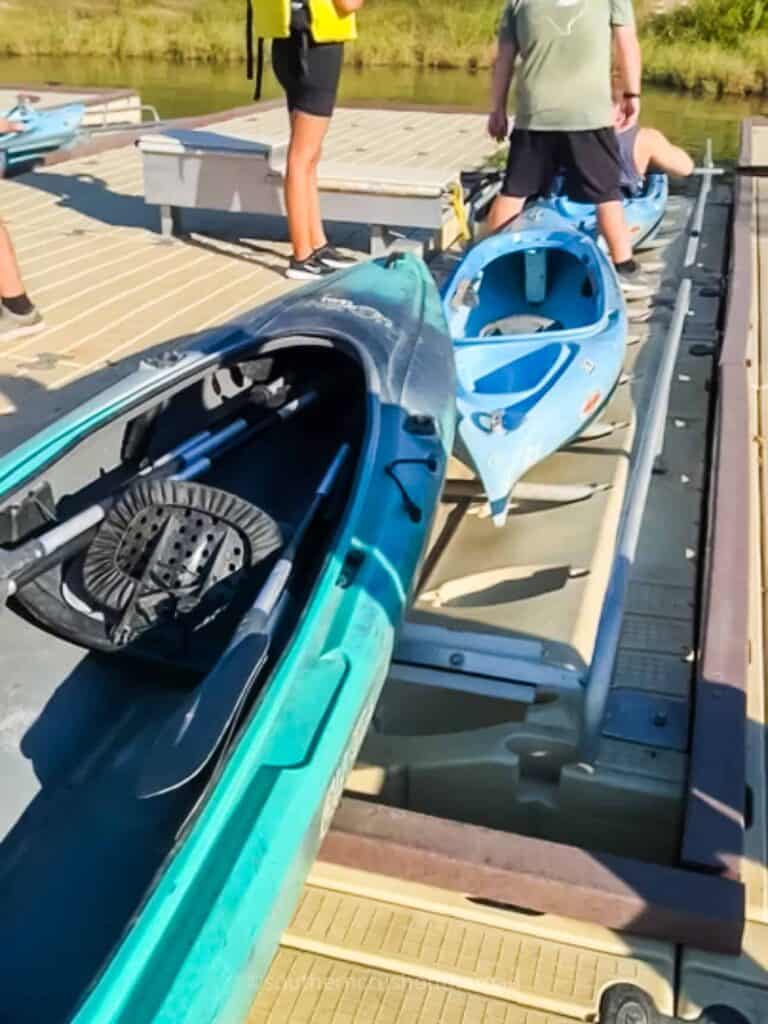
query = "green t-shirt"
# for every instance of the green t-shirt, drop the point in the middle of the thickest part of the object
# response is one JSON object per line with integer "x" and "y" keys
{"x": 564, "y": 75}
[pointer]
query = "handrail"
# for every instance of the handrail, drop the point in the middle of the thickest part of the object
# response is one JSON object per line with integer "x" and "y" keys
{"x": 694, "y": 239}
{"x": 599, "y": 678}
{"x": 612, "y": 614}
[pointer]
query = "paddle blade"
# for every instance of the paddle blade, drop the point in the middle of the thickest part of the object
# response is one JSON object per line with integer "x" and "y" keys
{"x": 187, "y": 742}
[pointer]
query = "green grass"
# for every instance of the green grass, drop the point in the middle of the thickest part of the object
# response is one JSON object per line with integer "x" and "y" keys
{"x": 181, "y": 30}
{"x": 718, "y": 46}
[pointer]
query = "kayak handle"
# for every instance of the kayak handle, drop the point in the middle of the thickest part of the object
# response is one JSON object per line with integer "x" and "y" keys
{"x": 415, "y": 514}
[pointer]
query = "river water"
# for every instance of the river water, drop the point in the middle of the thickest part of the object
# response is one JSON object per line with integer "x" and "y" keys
{"x": 177, "y": 90}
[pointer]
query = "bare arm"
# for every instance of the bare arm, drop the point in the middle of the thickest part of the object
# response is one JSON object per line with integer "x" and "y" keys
{"x": 503, "y": 70}
{"x": 347, "y": 6}
{"x": 654, "y": 151}
{"x": 630, "y": 63}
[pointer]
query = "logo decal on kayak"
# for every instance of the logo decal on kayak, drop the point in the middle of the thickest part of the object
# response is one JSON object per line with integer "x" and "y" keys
{"x": 364, "y": 312}
{"x": 591, "y": 403}
{"x": 588, "y": 366}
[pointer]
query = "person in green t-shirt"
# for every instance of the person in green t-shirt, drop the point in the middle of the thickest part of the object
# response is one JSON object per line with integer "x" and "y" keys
{"x": 564, "y": 120}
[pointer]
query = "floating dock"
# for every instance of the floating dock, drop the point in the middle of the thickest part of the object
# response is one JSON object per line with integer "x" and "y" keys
{"x": 389, "y": 929}
{"x": 399, "y": 923}
{"x": 103, "y": 107}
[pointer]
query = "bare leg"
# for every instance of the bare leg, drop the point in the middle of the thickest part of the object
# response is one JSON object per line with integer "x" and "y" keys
{"x": 10, "y": 275}
{"x": 504, "y": 209}
{"x": 613, "y": 227}
{"x": 301, "y": 200}
{"x": 316, "y": 229}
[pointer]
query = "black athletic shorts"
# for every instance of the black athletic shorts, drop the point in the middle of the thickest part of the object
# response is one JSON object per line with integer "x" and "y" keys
{"x": 589, "y": 161}
{"x": 309, "y": 72}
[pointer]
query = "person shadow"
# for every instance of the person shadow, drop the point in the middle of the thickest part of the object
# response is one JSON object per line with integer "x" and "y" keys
{"x": 31, "y": 406}
{"x": 261, "y": 238}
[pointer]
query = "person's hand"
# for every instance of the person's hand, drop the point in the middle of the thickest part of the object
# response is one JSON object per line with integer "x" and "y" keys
{"x": 629, "y": 113}
{"x": 498, "y": 125}
{"x": 10, "y": 126}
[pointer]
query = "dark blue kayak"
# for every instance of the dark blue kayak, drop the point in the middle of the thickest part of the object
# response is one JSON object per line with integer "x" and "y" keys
{"x": 539, "y": 329}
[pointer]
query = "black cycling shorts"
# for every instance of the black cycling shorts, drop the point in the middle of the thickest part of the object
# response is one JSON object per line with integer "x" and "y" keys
{"x": 309, "y": 72}
{"x": 589, "y": 161}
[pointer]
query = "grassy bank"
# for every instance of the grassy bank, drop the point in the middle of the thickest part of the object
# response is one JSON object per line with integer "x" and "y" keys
{"x": 718, "y": 46}
{"x": 711, "y": 45}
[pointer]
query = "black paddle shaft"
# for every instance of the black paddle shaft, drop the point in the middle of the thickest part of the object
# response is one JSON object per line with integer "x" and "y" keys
{"x": 191, "y": 737}
{"x": 34, "y": 557}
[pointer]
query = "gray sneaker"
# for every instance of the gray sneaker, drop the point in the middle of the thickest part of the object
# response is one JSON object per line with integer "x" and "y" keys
{"x": 635, "y": 284}
{"x": 19, "y": 325}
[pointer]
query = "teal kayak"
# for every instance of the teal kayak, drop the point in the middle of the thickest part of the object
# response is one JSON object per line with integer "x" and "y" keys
{"x": 225, "y": 539}
{"x": 43, "y": 132}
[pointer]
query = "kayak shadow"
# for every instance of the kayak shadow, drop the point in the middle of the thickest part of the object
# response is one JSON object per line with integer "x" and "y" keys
{"x": 77, "y": 861}
{"x": 33, "y": 406}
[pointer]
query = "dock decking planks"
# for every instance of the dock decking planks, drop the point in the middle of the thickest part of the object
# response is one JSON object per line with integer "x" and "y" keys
{"x": 108, "y": 287}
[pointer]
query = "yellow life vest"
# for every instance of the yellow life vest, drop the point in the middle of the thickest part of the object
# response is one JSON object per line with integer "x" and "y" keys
{"x": 272, "y": 20}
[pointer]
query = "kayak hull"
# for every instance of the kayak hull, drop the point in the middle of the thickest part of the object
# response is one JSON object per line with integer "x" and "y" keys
{"x": 199, "y": 944}
{"x": 644, "y": 213}
{"x": 44, "y": 132}
{"x": 539, "y": 329}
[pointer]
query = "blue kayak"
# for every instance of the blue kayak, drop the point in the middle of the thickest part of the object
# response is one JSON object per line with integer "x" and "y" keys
{"x": 539, "y": 329}
{"x": 44, "y": 131}
{"x": 644, "y": 212}
{"x": 226, "y": 539}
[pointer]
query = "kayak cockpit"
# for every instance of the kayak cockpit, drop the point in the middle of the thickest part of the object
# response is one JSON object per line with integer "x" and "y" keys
{"x": 526, "y": 292}
{"x": 108, "y": 644}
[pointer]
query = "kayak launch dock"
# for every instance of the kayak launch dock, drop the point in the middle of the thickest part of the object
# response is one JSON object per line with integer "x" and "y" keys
{"x": 420, "y": 918}
{"x": 388, "y": 929}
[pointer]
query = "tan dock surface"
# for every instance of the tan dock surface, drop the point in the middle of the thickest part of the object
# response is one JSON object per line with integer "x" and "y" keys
{"x": 362, "y": 950}
{"x": 110, "y": 289}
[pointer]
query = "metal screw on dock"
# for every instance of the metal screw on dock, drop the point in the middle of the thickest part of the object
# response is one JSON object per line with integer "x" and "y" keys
{"x": 456, "y": 659}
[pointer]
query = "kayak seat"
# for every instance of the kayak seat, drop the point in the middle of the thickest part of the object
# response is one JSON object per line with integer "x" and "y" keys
{"x": 525, "y": 377}
{"x": 520, "y": 293}
{"x": 521, "y": 323}
{"x": 162, "y": 577}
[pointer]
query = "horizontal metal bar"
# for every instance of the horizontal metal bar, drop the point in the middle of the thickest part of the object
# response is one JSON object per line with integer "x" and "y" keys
{"x": 503, "y": 658}
{"x": 462, "y": 682}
